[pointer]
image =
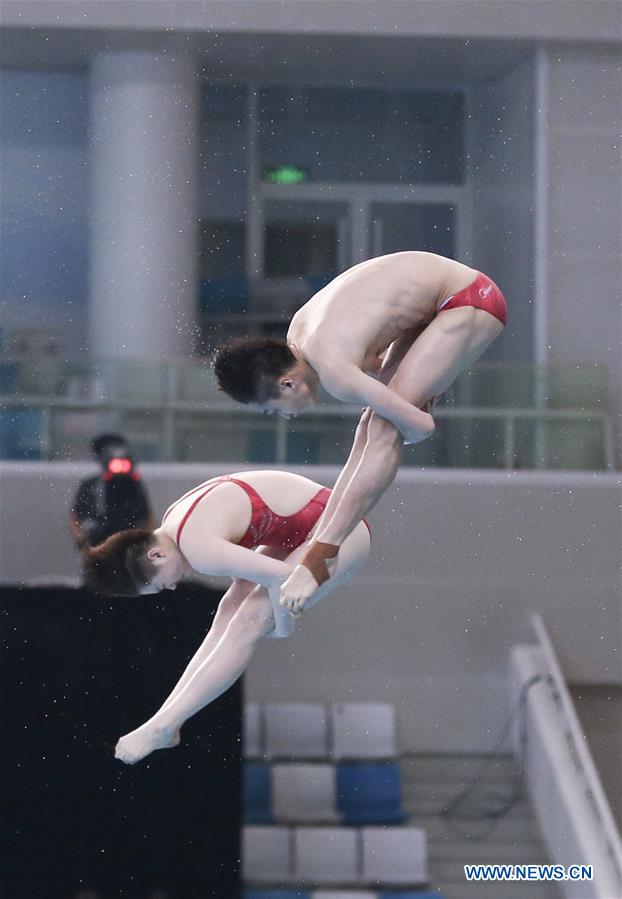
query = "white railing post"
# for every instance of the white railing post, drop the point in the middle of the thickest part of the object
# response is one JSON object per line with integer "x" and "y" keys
{"x": 508, "y": 435}
{"x": 46, "y": 432}
{"x": 170, "y": 385}
{"x": 609, "y": 443}
{"x": 281, "y": 442}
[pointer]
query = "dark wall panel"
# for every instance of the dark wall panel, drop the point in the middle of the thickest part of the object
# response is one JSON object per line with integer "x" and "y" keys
{"x": 78, "y": 672}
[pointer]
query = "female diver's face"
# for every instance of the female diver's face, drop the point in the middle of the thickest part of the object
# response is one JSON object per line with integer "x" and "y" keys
{"x": 170, "y": 569}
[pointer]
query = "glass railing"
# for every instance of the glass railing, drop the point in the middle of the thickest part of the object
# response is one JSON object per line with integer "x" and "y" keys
{"x": 496, "y": 416}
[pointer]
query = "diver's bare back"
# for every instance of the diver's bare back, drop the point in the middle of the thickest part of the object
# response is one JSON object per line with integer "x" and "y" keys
{"x": 363, "y": 310}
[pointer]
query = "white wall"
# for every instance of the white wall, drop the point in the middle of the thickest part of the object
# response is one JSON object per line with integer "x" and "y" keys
{"x": 459, "y": 560}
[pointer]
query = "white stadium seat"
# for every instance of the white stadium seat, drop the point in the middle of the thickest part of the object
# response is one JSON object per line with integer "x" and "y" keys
{"x": 304, "y": 792}
{"x": 326, "y": 855}
{"x": 394, "y": 855}
{"x": 267, "y": 854}
{"x": 251, "y": 741}
{"x": 363, "y": 730}
{"x": 296, "y": 730}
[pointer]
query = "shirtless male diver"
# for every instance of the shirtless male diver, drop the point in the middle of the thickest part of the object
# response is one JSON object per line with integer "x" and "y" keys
{"x": 250, "y": 526}
{"x": 391, "y": 334}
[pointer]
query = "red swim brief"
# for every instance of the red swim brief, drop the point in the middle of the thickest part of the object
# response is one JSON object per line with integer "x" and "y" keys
{"x": 481, "y": 294}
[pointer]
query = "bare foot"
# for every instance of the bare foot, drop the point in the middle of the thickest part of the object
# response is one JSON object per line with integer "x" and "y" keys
{"x": 316, "y": 566}
{"x": 145, "y": 739}
{"x": 297, "y": 589}
{"x": 284, "y": 621}
{"x": 300, "y": 586}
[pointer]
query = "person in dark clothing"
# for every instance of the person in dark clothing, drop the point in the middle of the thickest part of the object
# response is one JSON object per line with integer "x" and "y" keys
{"x": 112, "y": 501}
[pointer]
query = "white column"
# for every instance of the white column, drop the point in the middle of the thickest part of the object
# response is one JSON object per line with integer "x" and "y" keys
{"x": 144, "y": 210}
{"x": 542, "y": 200}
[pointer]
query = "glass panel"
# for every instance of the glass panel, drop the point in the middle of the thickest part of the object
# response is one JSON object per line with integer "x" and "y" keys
{"x": 430, "y": 453}
{"x": 367, "y": 134}
{"x": 71, "y": 431}
{"x": 36, "y": 376}
{"x": 221, "y": 249}
{"x": 195, "y": 383}
{"x": 500, "y": 386}
{"x": 574, "y": 445}
{"x": 201, "y": 436}
{"x": 174, "y": 412}
{"x": 21, "y": 434}
{"x": 305, "y": 246}
{"x": 9, "y": 379}
{"x": 137, "y": 382}
{"x": 326, "y": 440}
{"x": 261, "y": 446}
{"x": 223, "y": 153}
{"x": 475, "y": 442}
{"x": 408, "y": 226}
{"x": 146, "y": 431}
{"x": 300, "y": 249}
{"x": 222, "y": 267}
{"x": 577, "y": 387}
{"x": 525, "y": 444}
{"x": 306, "y": 238}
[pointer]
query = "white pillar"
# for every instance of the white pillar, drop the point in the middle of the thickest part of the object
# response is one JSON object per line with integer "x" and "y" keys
{"x": 144, "y": 210}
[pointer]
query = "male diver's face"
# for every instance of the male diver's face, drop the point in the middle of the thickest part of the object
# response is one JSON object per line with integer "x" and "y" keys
{"x": 294, "y": 397}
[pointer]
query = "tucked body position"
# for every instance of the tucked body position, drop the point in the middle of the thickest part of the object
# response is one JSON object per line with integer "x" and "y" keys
{"x": 390, "y": 334}
{"x": 249, "y": 526}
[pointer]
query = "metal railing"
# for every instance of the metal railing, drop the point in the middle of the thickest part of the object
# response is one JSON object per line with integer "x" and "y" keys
{"x": 497, "y": 416}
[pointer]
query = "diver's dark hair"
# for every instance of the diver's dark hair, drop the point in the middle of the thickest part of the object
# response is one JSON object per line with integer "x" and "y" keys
{"x": 248, "y": 368}
{"x": 119, "y": 566}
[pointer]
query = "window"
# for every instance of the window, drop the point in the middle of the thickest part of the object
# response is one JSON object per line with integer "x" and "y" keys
{"x": 373, "y": 135}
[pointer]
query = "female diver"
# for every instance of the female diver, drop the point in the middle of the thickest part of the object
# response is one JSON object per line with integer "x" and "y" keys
{"x": 251, "y": 526}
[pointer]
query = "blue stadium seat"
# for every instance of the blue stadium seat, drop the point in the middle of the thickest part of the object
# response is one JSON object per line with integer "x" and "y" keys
{"x": 369, "y": 793}
{"x": 256, "y": 793}
{"x": 276, "y": 894}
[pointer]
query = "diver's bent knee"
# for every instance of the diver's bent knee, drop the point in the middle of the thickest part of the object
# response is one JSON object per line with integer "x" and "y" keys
{"x": 429, "y": 428}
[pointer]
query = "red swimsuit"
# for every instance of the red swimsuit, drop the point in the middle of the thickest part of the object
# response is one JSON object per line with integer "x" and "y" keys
{"x": 482, "y": 294}
{"x": 266, "y": 528}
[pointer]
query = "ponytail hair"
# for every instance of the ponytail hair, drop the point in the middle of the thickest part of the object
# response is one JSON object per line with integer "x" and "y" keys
{"x": 119, "y": 566}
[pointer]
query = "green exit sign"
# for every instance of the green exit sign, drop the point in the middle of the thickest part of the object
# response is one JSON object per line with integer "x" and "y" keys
{"x": 285, "y": 174}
